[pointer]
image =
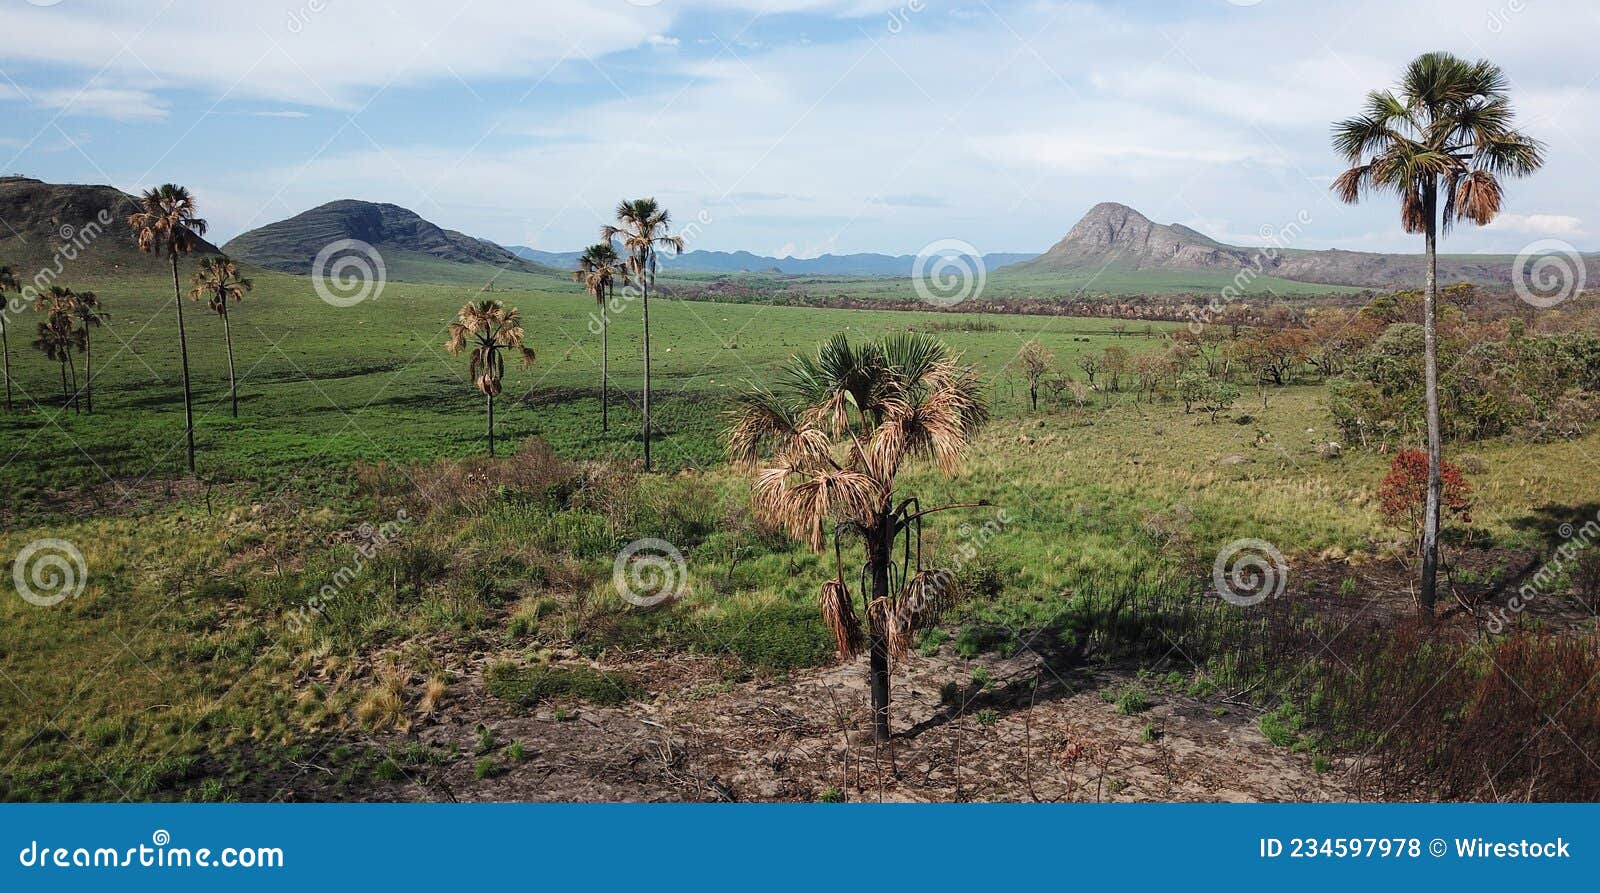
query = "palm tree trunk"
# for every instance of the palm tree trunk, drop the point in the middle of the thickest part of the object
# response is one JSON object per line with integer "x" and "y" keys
{"x": 88, "y": 371}
{"x": 77, "y": 395}
{"x": 644, "y": 286}
{"x": 227, "y": 337}
{"x": 1430, "y": 312}
{"x": 183, "y": 355}
{"x": 605, "y": 364}
{"x": 5, "y": 348}
{"x": 489, "y": 402}
{"x": 66, "y": 396}
{"x": 880, "y": 546}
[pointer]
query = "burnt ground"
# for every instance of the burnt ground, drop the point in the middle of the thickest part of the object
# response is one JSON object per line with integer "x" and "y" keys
{"x": 805, "y": 738}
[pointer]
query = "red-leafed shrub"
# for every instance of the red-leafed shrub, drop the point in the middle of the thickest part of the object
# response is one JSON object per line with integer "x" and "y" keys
{"x": 1404, "y": 492}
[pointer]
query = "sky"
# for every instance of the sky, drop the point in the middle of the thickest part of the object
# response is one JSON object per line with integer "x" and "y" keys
{"x": 782, "y": 127}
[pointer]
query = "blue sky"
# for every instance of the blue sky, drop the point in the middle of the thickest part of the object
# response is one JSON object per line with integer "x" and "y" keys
{"x": 784, "y": 126}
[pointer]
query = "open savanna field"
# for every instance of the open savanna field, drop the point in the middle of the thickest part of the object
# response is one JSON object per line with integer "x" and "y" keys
{"x": 349, "y": 602}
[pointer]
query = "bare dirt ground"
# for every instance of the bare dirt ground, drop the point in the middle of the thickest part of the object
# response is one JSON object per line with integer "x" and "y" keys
{"x": 804, "y": 738}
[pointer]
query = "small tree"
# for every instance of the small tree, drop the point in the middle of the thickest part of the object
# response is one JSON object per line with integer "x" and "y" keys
{"x": 1219, "y": 397}
{"x": 489, "y": 328}
{"x": 828, "y": 446}
{"x": 1090, "y": 364}
{"x": 1036, "y": 361}
{"x": 1403, "y": 494}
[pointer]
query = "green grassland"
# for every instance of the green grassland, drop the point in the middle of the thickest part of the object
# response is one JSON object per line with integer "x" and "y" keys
{"x": 175, "y": 674}
{"x": 323, "y": 385}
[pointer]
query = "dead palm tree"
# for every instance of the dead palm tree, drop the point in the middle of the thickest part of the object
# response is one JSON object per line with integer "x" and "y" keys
{"x": 219, "y": 282}
{"x": 598, "y": 270}
{"x": 644, "y": 228}
{"x": 1446, "y": 135}
{"x": 8, "y": 282}
{"x": 489, "y": 328}
{"x": 166, "y": 224}
{"x": 826, "y": 447}
{"x": 88, "y": 313}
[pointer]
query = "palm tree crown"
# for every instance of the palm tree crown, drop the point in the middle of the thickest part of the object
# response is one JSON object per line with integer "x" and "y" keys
{"x": 165, "y": 222}
{"x": 490, "y": 328}
{"x": 598, "y": 267}
{"x": 1448, "y": 133}
{"x": 218, "y": 281}
{"x": 644, "y": 227}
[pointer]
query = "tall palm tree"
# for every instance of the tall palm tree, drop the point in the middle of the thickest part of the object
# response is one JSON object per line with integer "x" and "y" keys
{"x": 826, "y": 447}
{"x": 1447, "y": 134}
{"x": 88, "y": 313}
{"x": 598, "y": 269}
{"x": 489, "y": 328}
{"x": 58, "y": 335}
{"x": 644, "y": 227}
{"x": 166, "y": 223}
{"x": 8, "y": 282}
{"x": 218, "y": 281}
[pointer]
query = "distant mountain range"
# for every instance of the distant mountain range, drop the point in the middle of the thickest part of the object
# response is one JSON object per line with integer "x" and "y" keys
{"x": 84, "y": 227}
{"x": 1114, "y": 236}
{"x": 89, "y": 223}
{"x": 745, "y": 262}
{"x": 292, "y": 245}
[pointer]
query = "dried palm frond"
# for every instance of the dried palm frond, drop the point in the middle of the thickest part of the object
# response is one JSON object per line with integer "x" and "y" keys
{"x": 926, "y": 596}
{"x": 805, "y": 506}
{"x": 840, "y": 616}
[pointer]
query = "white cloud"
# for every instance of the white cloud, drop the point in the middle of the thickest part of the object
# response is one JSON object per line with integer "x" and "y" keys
{"x": 1001, "y": 133}
{"x": 1539, "y": 224}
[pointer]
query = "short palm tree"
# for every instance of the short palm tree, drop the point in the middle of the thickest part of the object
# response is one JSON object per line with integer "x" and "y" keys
{"x": 827, "y": 445}
{"x": 88, "y": 313}
{"x": 58, "y": 335}
{"x": 598, "y": 270}
{"x": 57, "y": 338}
{"x": 8, "y": 282}
{"x": 644, "y": 228}
{"x": 1442, "y": 144}
{"x": 489, "y": 328}
{"x": 218, "y": 281}
{"x": 166, "y": 223}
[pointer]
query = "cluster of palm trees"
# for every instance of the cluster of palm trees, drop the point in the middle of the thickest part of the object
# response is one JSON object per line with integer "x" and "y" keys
{"x": 644, "y": 229}
{"x": 69, "y": 315}
{"x": 489, "y": 328}
{"x": 167, "y": 224}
